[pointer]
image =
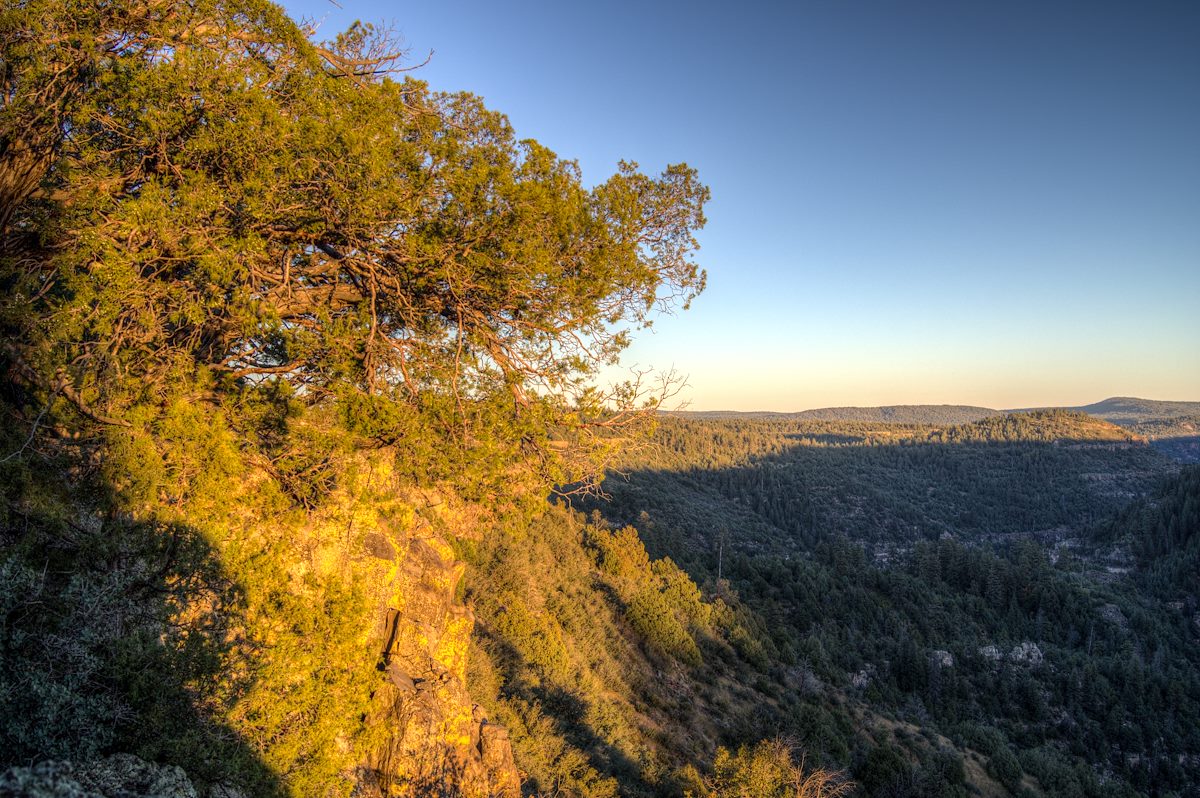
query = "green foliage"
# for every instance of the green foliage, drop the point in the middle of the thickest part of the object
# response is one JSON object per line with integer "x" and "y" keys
{"x": 537, "y": 637}
{"x": 885, "y": 771}
{"x": 429, "y": 271}
{"x": 106, "y": 656}
{"x": 651, "y": 616}
{"x": 304, "y": 697}
{"x": 767, "y": 770}
{"x": 786, "y": 483}
{"x": 1065, "y": 426}
{"x": 1164, "y": 533}
{"x": 1003, "y": 765}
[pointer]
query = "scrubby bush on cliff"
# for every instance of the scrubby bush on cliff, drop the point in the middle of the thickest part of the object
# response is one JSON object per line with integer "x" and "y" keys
{"x": 764, "y": 770}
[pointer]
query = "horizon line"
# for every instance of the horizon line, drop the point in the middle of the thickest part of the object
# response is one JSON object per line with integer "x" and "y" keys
{"x": 687, "y": 409}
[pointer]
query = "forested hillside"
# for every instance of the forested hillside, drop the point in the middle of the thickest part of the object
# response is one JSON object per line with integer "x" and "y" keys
{"x": 1172, "y": 427}
{"x": 782, "y": 484}
{"x": 895, "y": 414}
{"x": 1048, "y": 642}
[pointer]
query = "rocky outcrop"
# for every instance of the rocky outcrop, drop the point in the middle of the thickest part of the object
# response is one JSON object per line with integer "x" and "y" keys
{"x": 863, "y": 679}
{"x": 1112, "y": 613}
{"x": 118, "y": 776}
{"x": 1026, "y": 653}
{"x": 941, "y": 658}
{"x": 435, "y": 740}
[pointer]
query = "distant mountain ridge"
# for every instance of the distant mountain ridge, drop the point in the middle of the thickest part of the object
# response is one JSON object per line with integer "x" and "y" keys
{"x": 891, "y": 414}
{"x": 1172, "y": 427}
{"x": 1139, "y": 409}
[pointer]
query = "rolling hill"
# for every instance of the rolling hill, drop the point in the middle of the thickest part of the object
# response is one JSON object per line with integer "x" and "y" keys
{"x": 1171, "y": 427}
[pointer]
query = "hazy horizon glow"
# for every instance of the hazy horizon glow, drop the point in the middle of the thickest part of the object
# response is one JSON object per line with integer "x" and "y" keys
{"x": 927, "y": 203}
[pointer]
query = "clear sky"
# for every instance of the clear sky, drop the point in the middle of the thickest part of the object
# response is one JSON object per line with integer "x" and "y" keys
{"x": 992, "y": 203}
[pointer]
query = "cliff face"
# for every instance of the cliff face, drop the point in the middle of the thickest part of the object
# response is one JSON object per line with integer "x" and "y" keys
{"x": 433, "y": 739}
{"x": 250, "y": 642}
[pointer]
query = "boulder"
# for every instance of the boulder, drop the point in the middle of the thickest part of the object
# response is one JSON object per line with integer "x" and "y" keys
{"x": 1026, "y": 653}
{"x": 118, "y": 776}
{"x": 943, "y": 659}
{"x": 990, "y": 652}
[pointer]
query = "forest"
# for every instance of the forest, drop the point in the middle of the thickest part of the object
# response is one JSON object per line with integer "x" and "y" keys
{"x": 1017, "y": 593}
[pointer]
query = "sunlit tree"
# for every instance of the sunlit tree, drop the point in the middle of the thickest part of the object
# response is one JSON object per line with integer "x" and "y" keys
{"x": 199, "y": 201}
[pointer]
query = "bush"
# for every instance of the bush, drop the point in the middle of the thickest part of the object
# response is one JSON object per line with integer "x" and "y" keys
{"x": 1005, "y": 767}
{"x": 651, "y": 617}
{"x": 767, "y": 770}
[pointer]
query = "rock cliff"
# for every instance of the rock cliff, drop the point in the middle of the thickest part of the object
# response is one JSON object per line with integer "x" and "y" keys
{"x": 434, "y": 740}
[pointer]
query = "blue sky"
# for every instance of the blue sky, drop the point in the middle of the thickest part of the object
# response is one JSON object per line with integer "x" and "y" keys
{"x": 991, "y": 203}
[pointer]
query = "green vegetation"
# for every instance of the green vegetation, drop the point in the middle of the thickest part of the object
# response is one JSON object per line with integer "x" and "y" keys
{"x": 244, "y": 239}
{"x": 614, "y": 675}
{"x": 1163, "y": 532}
{"x": 1173, "y": 427}
{"x": 765, "y": 771}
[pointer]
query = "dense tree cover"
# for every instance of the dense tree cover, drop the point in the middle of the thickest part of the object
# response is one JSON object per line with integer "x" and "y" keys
{"x": 1129, "y": 411}
{"x": 891, "y": 414}
{"x": 1045, "y": 426}
{"x": 939, "y": 634}
{"x": 240, "y": 326}
{"x": 1163, "y": 531}
{"x": 886, "y": 483}
{"x": 1172, "y": 427}
{"x": 597, "y": 703}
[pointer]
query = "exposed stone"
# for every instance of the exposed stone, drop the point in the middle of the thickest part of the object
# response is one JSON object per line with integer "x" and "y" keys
{"x": 496, "y": 752}
{"x": 1112, "y": 613}
{"x": 1026, "y": 653}
{"x": 399, "y": 678}
{"x": 990, "y": 652}
{"x": 943, "y": 659}
{"x": 225, "y": 791}
{"x": 379, "y": 547}
{"x": 118, "y": 776}
{"x": 862, "y": 679}
{"x": 433, "y": 733}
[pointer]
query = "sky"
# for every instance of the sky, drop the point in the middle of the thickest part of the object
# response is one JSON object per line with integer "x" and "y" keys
{"x": 989, "y": 203}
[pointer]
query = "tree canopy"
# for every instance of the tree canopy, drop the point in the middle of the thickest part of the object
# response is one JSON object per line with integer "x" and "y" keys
{"x": 198, "y": 201}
